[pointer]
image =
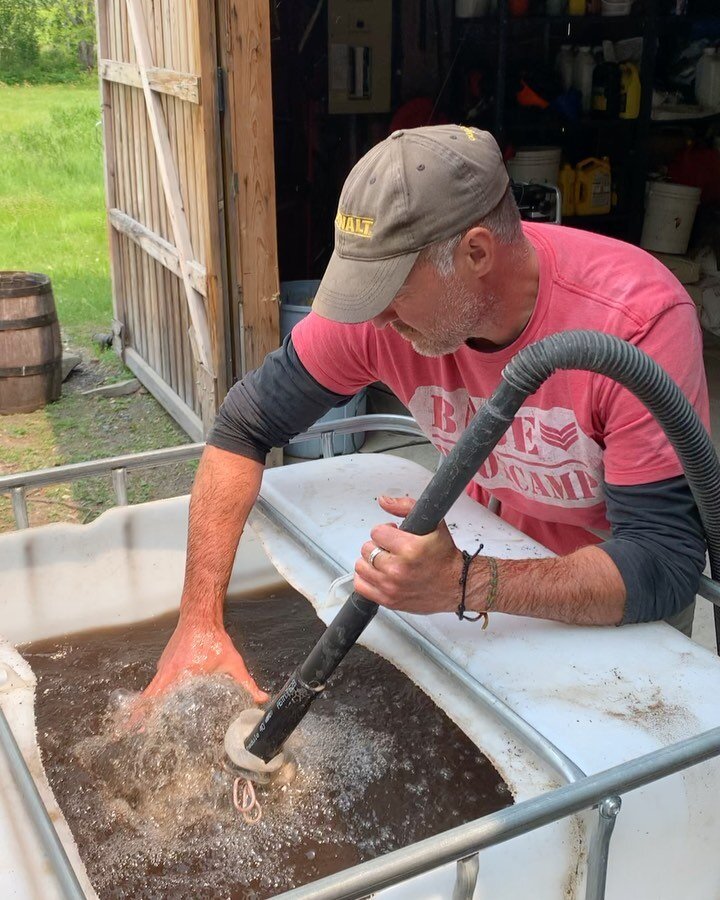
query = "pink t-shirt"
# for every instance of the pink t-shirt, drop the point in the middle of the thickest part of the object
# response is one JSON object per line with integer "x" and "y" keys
{"x": 579, "y": 429}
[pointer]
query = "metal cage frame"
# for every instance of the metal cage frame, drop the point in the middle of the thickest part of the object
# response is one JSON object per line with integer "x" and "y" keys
{"x": 579, "y": 791}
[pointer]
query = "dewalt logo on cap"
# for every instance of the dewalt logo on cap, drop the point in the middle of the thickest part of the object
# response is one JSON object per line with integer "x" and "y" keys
{"x": 357, "y": 225}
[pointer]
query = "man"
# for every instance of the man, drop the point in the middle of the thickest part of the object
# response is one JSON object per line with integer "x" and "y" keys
{"x": 434, "y": 285}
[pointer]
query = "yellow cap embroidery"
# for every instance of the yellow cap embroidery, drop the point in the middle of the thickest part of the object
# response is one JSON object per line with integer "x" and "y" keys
{"x": 358, "y": 225}
{"x": 469, "y": 132}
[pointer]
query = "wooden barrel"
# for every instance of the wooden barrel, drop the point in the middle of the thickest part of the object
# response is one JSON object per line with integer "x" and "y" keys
{"x": 30, "y": 347}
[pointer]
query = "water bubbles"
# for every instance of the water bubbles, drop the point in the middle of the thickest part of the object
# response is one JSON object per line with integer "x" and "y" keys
{"x": 122, "y": 699}
{"x": 151, "y": 807}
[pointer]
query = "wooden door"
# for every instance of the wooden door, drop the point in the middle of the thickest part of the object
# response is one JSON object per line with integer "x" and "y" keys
{"x": 165, "y": 133}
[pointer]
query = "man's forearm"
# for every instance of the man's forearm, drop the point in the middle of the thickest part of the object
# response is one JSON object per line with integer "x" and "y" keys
{"x": 584, "y": 588}
{"x": 225, "y": 489}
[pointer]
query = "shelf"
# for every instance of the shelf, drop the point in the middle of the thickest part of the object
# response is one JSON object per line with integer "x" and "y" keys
{"x": 708, "y": 118}
{"x": 637, "y": 18}
{"x": 531, "y": 119}
{"x": 590, "y": 222}
{"x": 667, "y": 18}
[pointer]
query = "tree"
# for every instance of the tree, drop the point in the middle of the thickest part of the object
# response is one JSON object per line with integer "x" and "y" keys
{"x": 66, "y": 24}
{"x": 19, "y": 26}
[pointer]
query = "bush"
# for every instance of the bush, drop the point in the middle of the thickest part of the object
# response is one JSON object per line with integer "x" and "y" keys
{"x": 51, "y": 67}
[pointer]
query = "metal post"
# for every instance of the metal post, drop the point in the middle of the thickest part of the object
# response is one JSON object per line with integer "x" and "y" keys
{"x": 599, "y": 852}
{"x": 466, "y": 877}
{"x": 64, "y": 872}
{"x": 19, "y": 505}
{"x": 119, "y": 480}
{"x": 326, "y": 442}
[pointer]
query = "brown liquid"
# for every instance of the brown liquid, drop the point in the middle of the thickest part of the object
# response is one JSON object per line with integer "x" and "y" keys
{"x": 380, "y": 765}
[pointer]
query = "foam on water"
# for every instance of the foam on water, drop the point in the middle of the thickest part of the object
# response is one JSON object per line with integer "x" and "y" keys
{"x": 380, "y": 766}
{"x": 166, "y": 794}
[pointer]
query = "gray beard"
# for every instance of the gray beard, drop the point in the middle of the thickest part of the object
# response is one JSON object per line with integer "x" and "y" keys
{"x": 462, "y": 316}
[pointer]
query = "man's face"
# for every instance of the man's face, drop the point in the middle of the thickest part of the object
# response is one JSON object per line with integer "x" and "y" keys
{"x": 436, "y": 315}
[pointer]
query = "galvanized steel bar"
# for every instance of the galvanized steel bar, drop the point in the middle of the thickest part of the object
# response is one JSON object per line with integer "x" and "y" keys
{"x": 327, "y": 443}
{"x": 375, "y": 422}
{"x": 709, "y": 589}
{"x": 19, "y": 505}
{"x": 57, "y": 857}
{"x": 153, "y": 458}
{"x": 509, "y": 823}
{"x": 599, "y": 852}
{"x": 466, "y": 876}
{"x": 74, "y": 471}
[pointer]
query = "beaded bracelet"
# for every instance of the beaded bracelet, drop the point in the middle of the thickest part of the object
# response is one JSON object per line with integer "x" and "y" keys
{"x": 492, "y": 589}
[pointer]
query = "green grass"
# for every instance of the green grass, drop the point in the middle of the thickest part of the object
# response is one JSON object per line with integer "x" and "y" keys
{"x": 52, "y": 208}
{"x": 52, "y": 220}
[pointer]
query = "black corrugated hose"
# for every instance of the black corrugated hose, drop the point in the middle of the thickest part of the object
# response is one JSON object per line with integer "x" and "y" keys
{"x": 584, "y": 350}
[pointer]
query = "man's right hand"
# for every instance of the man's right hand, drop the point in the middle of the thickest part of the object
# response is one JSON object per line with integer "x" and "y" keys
{"x": 200, "y": 650}
{"x": 226, "y": 486}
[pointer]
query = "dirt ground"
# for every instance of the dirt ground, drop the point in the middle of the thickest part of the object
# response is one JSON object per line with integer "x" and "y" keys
{"x": 79, "y": 428}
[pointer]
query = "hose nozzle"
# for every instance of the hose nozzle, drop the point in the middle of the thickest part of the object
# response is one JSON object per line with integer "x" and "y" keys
{"x": 280, "y": 770}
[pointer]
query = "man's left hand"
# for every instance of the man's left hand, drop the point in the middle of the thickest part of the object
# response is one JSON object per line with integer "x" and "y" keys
{"x": 416, "y": 574}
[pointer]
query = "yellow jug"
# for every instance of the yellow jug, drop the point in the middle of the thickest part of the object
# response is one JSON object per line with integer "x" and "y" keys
{"x": 593, "y": 187}
{"x": 630, "y": 90}
{"x": 566, "y": 183}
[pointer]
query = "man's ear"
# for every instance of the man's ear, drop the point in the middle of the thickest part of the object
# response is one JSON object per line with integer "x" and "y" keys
{"x": 477, "y": 252}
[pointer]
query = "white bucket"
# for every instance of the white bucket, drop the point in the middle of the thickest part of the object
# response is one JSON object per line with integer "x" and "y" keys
{"x": 539, "y": 165}
{"x": 468, "y": 9}
{"x": 616, "y": 7}
{"x": 669, "y": 216}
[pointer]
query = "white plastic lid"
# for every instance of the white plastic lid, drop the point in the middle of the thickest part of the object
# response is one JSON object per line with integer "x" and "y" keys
{"x": 667, "y": 189}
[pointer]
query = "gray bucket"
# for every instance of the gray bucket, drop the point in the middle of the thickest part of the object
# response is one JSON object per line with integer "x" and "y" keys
{"x": 296, "y": 299}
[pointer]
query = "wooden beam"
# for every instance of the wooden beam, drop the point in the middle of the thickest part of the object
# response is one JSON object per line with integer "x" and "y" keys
{"x": 110, "y": 172}
{"x": 250, "y": 179}
{"x": 157, "y": 247}
{"x": 186, "y": 418}
{"x": 171, "y": 185}
{"x": 209, "y": 166}
{"x": 178, "y": 84}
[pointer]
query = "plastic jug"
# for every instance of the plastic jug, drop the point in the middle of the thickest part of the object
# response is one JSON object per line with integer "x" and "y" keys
{"x": 564, "y": 65}
{"x": 583, "y": 76}
{"x": 593, "y": 187}
{"x": 630, "y": 90}
{"x": 606, "y": 91}
{"x": 566, "y": 183}
{"x": 707, "y": 79}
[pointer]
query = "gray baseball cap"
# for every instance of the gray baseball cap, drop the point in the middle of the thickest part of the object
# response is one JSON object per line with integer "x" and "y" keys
{"x": 416, "y": 187}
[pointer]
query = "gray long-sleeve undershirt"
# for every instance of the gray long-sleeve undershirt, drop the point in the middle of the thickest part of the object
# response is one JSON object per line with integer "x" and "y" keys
{"x": 657, "y": 540}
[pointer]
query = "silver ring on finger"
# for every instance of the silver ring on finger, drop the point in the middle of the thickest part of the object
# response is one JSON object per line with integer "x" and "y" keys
{"x": 374, "y": 554}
